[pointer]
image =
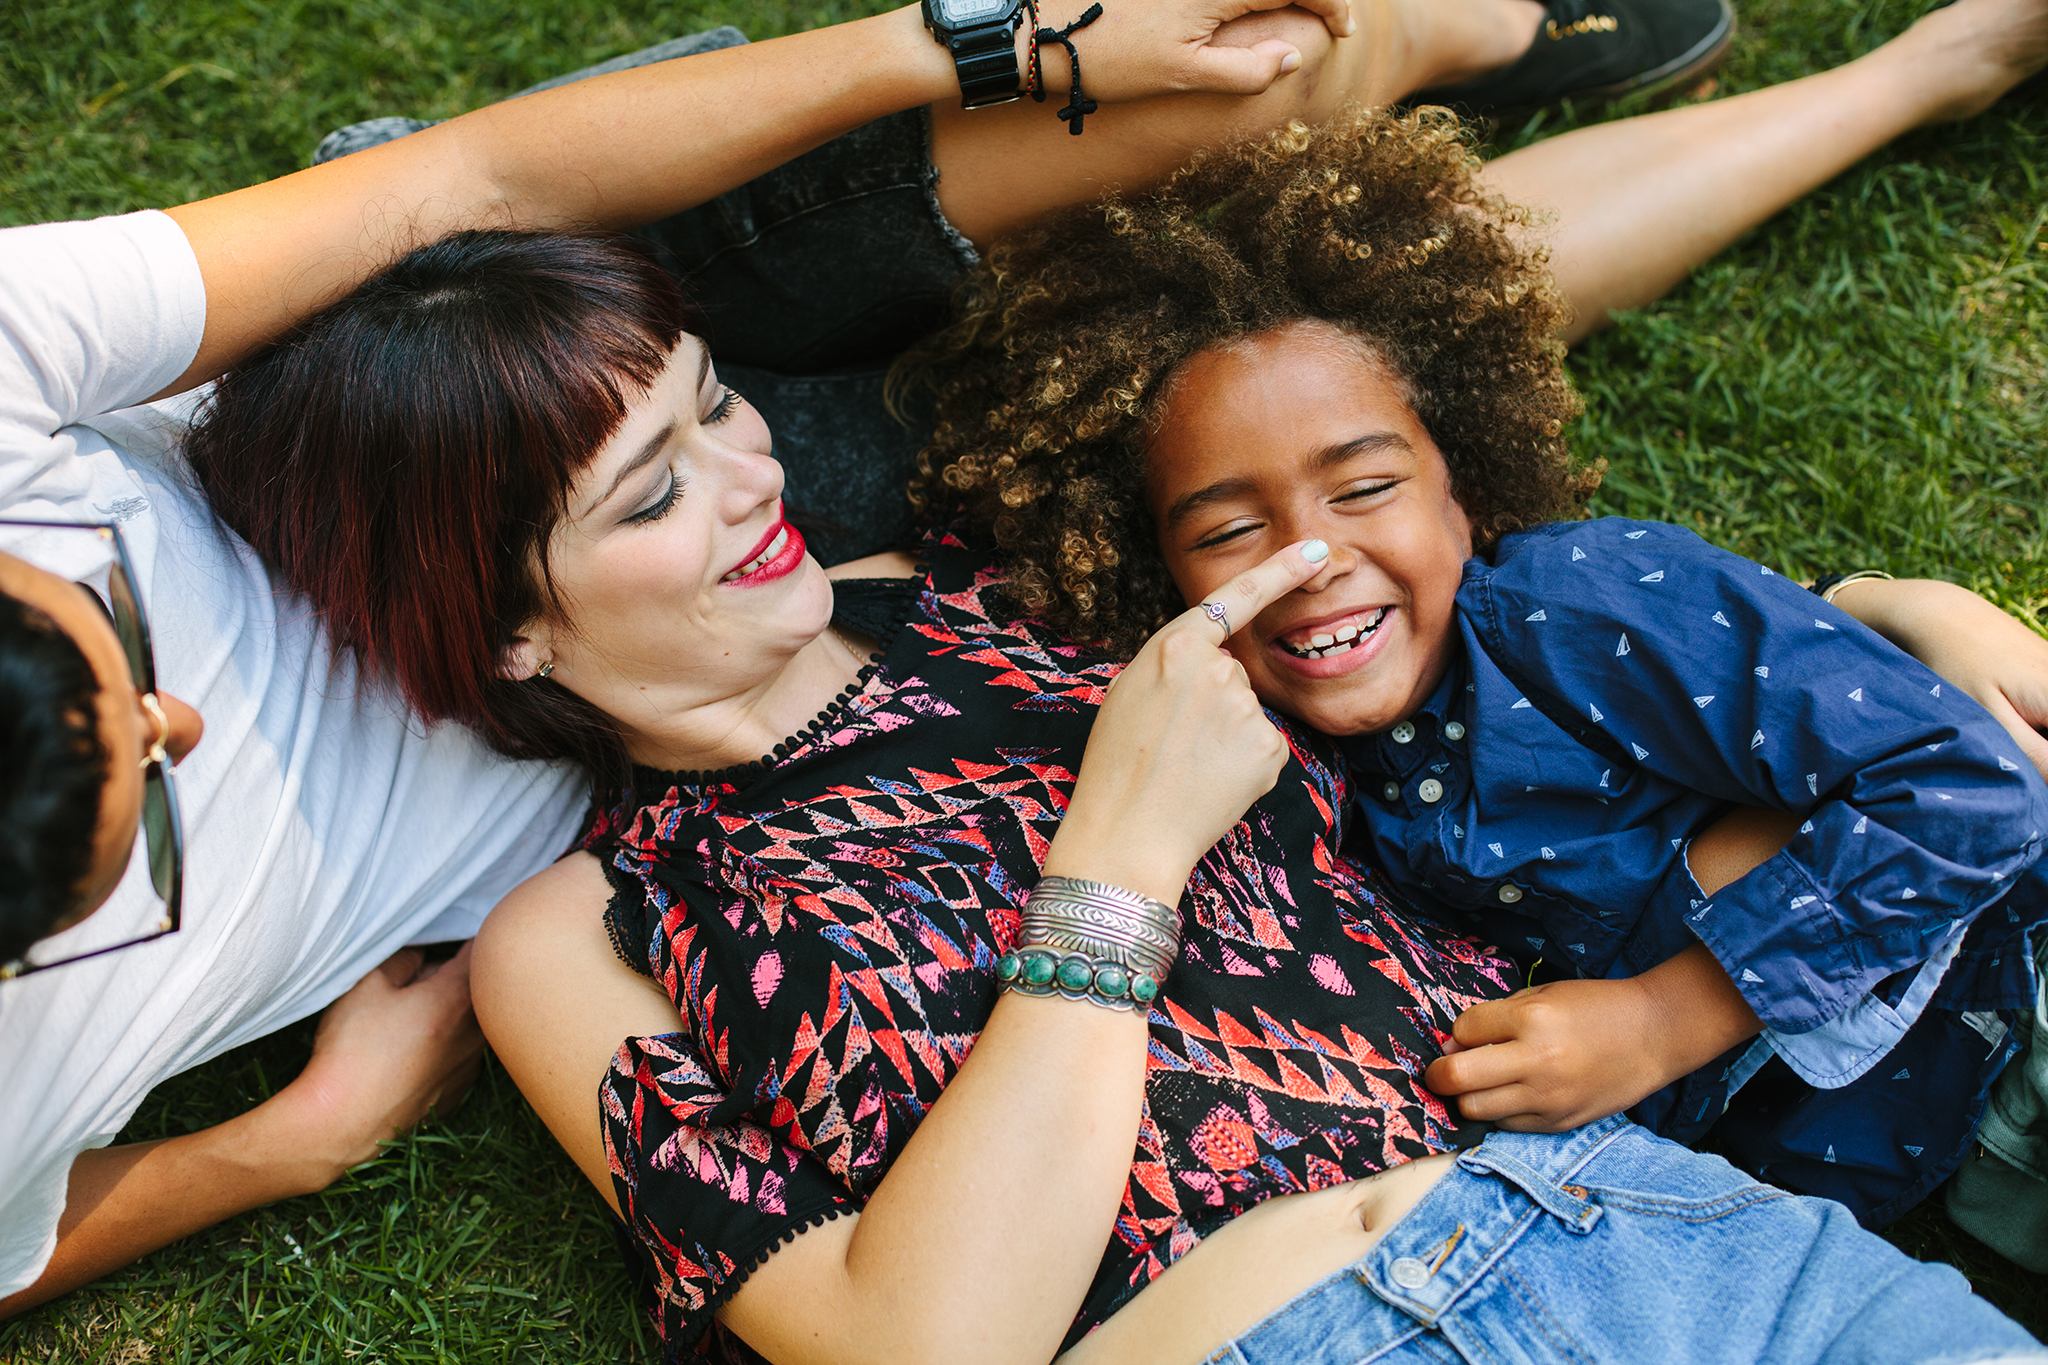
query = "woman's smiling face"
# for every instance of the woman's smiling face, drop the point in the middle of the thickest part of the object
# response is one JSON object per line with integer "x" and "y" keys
{"x": 1302, "y": 432}
{"x": 681, "y": 585}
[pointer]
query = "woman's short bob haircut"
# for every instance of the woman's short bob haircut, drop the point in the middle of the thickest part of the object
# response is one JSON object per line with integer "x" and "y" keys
{"x": 402, "y": 457}
{"x": 1068, "y": 339}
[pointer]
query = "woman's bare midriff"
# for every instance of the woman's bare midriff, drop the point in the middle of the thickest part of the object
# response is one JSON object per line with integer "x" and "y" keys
{"x": 1254, "y": 1265}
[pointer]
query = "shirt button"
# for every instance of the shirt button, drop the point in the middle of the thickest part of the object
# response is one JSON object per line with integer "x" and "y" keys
{"x": 1431, "y": 790}
{"x": 1409, "y": 1273}
{"x": 1402, "y": 733}
{"x": 1509, "y": 893}
{"x": 1392, "y": 791}
{"x": 1453, "y": 731}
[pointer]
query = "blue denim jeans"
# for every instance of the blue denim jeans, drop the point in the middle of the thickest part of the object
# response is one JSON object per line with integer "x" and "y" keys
{"x": 811, "y": 279}
{"x": 1610, "y": 1244}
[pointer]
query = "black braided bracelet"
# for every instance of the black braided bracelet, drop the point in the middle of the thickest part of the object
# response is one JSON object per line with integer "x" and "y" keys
{"x": 1078, "y": 105}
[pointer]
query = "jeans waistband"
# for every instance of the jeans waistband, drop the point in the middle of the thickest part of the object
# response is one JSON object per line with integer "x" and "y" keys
{"x": 1456, "y": 1232}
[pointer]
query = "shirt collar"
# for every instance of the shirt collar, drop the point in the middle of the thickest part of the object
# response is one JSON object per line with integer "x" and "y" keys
{"x": 1381, "y": 753}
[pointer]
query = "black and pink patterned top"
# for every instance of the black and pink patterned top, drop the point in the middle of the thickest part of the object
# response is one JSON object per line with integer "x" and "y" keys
{"x": 828, "y": 922}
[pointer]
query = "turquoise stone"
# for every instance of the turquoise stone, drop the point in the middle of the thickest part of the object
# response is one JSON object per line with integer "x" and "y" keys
{"x": 1076, "y": 974}
{"x": 1006, "y": 967}
{"x": 1038, "y": 969}
{"x": 1143, "y": 989}
{"x": 1112, "y": 981}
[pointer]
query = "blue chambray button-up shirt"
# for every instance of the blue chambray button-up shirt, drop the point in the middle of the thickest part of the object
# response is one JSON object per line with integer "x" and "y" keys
{"x": 1621, "y": 685}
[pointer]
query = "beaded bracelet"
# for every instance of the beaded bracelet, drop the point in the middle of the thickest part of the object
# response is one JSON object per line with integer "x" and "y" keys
{"x": 1037, "y": 970}
{"x": 1078, "y": 106}
{"x": 1092, "y": 941}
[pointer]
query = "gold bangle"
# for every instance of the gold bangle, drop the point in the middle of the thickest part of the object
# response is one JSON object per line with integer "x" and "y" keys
{"x": 1846, "y": 579}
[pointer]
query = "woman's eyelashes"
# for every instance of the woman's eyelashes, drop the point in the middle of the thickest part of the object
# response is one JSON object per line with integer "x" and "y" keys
{"x": 658, "y": 509}
{"x": 728, "y": 403}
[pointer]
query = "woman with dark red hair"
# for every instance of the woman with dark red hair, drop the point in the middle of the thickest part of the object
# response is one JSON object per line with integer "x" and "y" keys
{"x": 324, "y": 827}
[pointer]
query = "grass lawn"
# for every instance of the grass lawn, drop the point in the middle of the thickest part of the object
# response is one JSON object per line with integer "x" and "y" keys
{"x": 1860, "y": 383}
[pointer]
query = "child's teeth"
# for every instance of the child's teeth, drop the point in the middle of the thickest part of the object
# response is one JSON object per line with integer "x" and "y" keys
{"x": 1321, "y": 645}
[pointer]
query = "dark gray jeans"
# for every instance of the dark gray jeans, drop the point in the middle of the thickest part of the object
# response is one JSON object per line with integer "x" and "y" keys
{"x": 812, "y": 279}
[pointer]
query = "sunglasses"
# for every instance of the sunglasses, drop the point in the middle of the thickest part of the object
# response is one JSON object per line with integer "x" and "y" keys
{"x": 159, "y": 798}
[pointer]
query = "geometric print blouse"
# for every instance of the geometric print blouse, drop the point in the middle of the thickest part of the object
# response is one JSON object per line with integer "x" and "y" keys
{"x": 828, "y": 922}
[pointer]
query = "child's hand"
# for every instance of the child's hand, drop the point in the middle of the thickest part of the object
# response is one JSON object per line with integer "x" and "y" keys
{"x": 1551, "y": 1057}
{"x": 1558, "y": 1055}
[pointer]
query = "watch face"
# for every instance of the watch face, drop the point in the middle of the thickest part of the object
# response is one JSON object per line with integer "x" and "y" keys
{"x": 957, "y": 14}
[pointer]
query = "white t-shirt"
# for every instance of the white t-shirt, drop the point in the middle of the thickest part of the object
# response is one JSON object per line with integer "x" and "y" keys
{"x": 324, "y": 828}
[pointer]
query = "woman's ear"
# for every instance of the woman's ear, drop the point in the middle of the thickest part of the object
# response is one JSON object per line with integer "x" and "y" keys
{"x": 523, "y": 658}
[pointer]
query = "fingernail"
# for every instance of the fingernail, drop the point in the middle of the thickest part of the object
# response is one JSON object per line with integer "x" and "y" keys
{"x": 1291, "y": 62}
{"x": 1315, "y": 552}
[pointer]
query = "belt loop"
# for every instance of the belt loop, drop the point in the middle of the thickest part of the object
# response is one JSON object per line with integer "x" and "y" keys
{"x": 1572, "y": 1205}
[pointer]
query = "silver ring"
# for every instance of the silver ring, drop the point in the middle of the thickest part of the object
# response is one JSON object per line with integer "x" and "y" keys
{"x": 1214, "y": 611}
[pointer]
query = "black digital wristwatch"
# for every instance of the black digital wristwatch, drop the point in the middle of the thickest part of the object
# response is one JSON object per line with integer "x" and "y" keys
{"x": 982, "y": 36}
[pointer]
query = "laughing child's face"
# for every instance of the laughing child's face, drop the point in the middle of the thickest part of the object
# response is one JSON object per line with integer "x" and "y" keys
{"x": 1298, "y": 433}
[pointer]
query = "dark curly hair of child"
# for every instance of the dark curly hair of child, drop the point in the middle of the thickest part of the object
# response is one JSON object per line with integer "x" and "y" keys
{"x": 1066, "y": 343}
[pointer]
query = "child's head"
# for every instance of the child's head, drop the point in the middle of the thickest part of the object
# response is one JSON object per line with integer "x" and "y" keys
{"x": 1144, "y": 398}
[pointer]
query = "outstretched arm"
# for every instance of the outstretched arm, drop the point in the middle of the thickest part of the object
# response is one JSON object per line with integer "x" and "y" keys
{"x": 624, "y": 149}
{"x": 400, "y": 1043}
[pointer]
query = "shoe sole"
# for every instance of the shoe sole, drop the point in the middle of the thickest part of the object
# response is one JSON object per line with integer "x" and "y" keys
{"x": 1705, "y": 57}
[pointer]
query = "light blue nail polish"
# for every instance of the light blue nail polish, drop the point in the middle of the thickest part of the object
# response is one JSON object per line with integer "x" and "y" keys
{"x": 1315, "y": 552}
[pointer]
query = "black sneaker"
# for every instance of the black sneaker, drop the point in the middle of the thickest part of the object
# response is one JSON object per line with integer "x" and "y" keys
{"x": 1595, "y": 50}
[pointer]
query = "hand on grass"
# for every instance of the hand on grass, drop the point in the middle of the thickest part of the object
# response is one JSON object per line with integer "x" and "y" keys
{"x": 401, "y": 1043}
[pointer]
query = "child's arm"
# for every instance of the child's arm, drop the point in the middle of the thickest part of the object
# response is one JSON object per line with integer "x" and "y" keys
{"x": 1915, "y": 808}
{"x": 1558, "y": 1055}
{"x": 1969, "y": 642}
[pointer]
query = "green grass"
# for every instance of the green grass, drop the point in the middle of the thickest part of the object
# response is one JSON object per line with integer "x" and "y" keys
{"x": 1859, "y": 383}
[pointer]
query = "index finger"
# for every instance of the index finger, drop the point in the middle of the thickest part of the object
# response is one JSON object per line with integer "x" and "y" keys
{"x": 1233, "y": 604}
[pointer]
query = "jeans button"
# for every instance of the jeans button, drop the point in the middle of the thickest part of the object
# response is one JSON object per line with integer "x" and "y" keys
{"x": 1402, "y": 733}
{"x": 1430, "y": 790}
{"x": 1409, "y": 1273}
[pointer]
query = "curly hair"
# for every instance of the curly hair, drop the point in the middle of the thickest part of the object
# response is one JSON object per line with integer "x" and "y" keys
{"x": 1066, "y": 342}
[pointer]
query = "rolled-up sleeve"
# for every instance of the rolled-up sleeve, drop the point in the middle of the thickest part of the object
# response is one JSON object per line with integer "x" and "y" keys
{"x": 1710, "y": 671}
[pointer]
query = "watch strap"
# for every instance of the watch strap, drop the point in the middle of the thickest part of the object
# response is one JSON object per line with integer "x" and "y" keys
{"x": 986, "y": 60}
